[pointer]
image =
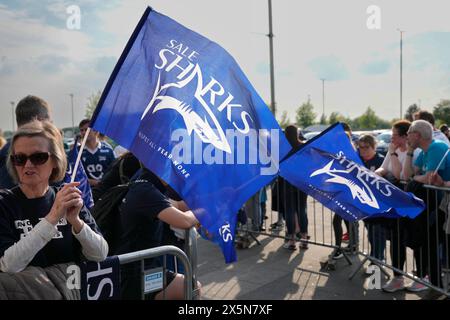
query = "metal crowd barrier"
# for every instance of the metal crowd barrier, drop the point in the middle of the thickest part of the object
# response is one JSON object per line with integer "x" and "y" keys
{"x": 157, "y": 252}
{"x": 190, "y": 248}
{"x": 429, "y": 258}
{"x": 423, "y": 243}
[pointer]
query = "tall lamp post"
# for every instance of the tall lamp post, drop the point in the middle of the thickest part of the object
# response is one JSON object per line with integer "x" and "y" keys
{"x": 272, "y": 73}
{"x": 73, "y": 124}
{"x": 12, "y": 116}
{"x": 401, "y": 72}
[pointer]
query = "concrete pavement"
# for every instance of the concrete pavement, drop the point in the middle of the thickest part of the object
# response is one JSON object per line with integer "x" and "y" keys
{"x": 268, "y": 271}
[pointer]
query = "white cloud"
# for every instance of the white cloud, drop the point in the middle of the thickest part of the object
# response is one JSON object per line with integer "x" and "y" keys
{"x": 304, "y": 31}
{"x": 47, "y": 61}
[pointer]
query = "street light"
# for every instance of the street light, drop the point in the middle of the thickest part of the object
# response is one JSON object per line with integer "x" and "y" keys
{"x": 272, "y": 73}
{"x": 12, "y": 116}
{"x": 73, "y": 123}
{"x": 401, "y": 72}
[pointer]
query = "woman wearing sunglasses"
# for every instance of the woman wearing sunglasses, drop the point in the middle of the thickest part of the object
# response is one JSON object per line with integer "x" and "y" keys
{"x": 39, "y": 225}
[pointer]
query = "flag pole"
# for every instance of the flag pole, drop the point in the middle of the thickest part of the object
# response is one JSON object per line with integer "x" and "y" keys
{"x": 77, "y": 163}
{"x": 442, "y": 160}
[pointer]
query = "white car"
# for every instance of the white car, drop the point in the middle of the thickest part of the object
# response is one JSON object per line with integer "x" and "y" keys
{"x": 310, "y": 135}
{"x": 383, "y": 141}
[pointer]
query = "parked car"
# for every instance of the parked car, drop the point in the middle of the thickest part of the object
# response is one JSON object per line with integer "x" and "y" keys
{"x": 380, "y": 131}
{"x": 355, "y": 137}
{"x": 68, "y": 143}
{"x": 310, "y": 135}
{"x": 383, "y": 141}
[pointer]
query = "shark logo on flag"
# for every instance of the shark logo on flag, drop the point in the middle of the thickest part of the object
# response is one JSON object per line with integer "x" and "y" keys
{"x": 174, "y": 88}
{"x": 329, "y": 169}
{"x": 360, "y": 191}
{"x": 192, "y": 119}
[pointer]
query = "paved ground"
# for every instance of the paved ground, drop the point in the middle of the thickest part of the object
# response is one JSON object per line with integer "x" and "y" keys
{"x": 268, "y": 271}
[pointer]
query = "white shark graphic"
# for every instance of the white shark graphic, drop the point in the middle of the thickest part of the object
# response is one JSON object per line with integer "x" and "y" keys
{"x": 365, "y": 197}
{"x": 193, "y": 120}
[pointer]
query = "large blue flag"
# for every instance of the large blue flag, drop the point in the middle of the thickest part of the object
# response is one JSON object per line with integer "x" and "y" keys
{"x": 80, "y": 177}
{"x": 183, "y": 106}
{"x": 330, "y": 170}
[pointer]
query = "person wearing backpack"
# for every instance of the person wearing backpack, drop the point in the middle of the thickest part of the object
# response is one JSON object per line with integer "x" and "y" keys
{"x": 143, "y": 213}
{"x": 120, "y": 172}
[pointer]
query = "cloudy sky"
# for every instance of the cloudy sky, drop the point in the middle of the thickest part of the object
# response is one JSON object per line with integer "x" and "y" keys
{"x": 313, "y": 39}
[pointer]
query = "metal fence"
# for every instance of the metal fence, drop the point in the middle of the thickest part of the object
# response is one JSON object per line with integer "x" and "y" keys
{"x": 190, "y": 249}
{"x": 417, "y": 249}
{"x": 162, "y": 251}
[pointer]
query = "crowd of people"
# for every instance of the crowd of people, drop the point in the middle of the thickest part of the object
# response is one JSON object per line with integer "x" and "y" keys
{"x": 417, "y": 156}
{"x": 44, "y": 222}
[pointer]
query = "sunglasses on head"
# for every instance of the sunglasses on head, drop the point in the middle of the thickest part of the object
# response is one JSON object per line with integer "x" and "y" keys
{"x": 36, "y": 159}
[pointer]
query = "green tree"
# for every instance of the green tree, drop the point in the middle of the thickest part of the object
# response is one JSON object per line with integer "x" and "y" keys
{"x": 305, "y": 115}
{"x": 92, "y": 104}
{"x": 384, "y": 124}
{"x": 323, "y": 119}
{"x": 410, "y": 111}
{"x": 337, "y": 117}
{"x": 284, "y": 121}
{"x": 368, "y": 120}
{"x": 442, "y": 112}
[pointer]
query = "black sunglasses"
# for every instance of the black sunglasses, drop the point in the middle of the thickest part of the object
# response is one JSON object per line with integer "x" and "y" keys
{"x": 36, "y": 159}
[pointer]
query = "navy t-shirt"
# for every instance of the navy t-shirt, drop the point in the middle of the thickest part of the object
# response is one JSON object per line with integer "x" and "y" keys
{"x": 96, "y": 164}
{"x": 18, "y": 216}
{"x": 374, "y": 163}
{"x": 141, "y": 228}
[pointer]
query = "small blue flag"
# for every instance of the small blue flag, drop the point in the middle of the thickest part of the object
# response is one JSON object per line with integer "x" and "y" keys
{"x": 80, "y": 177}
{"x": 183, "y": 106}
{"x": 329, "y": 169}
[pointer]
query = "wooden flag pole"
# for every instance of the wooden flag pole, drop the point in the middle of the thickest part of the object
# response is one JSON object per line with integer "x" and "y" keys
{"x": 77, "y": 163}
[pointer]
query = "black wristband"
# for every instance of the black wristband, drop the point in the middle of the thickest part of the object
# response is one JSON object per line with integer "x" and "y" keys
{"x": 394, "y": 154}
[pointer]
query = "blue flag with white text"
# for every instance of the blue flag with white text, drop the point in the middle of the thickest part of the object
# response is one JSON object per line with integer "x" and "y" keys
{"x": 183, "y": 106}
{"x": 329, "y": 169}
{"x": 100, "y": 280}
{"x": 80, "y": 176}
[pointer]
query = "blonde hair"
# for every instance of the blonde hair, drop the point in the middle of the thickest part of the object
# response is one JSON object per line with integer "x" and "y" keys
{"x": 48, "y": 131}
{"x": 2, "y": 142}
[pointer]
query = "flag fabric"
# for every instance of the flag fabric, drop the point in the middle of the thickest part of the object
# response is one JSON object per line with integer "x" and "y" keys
{"x": 329, "y": 169}
{"x": 183, "y": 106}
{"x": 80, "y": 176}
{"x": 100, "y": 280}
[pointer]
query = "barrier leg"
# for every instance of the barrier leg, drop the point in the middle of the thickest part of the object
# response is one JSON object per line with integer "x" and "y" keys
{"x": 352, "y": 275}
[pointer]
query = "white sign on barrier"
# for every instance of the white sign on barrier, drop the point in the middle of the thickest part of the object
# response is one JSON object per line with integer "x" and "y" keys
{"x": 153, "y": 280}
